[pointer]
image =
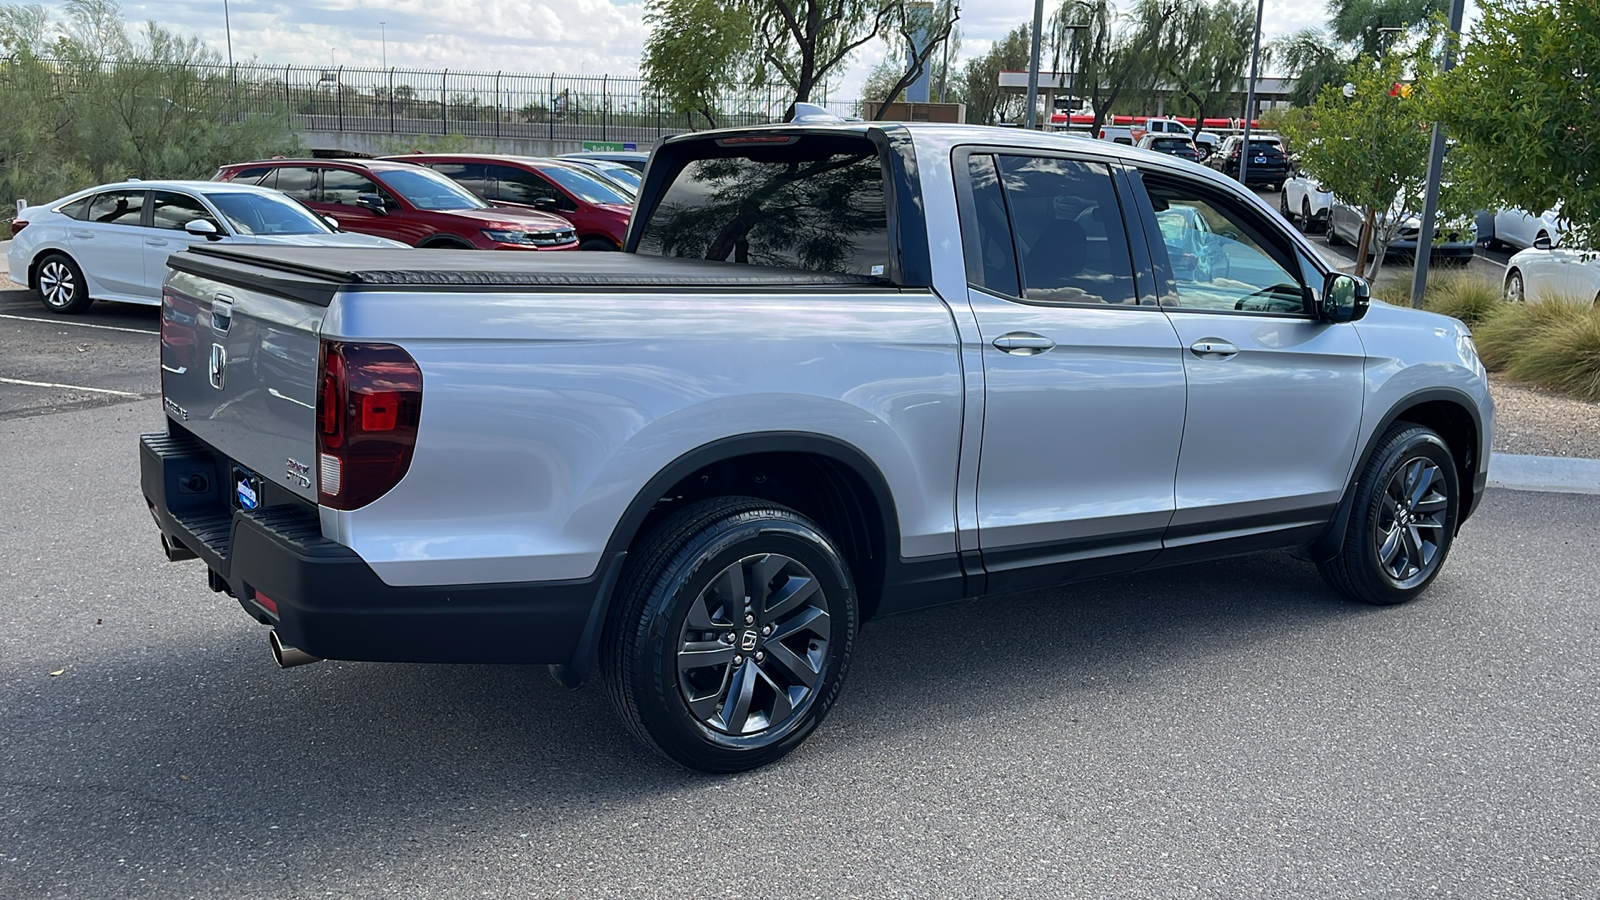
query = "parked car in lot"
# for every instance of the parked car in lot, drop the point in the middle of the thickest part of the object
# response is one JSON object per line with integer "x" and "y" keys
{"x": 1454, "y": 242}
{"x": 1521, "y": 229}
{"x": 1547, "y": 272}
{"x": 633, "y": 159}
{"x": 1172, "y": 145}
{"x": 597, "y": 209}
{"x": 1268, "y": 164}
{"x": 112, "y": 242}
{"x": 1117, "y": 134}
{"x": 1305, "y": 202}
{"x": 626, "y": 177}
{"x": 839, "y": 372}
{"x": 406, "y": 203}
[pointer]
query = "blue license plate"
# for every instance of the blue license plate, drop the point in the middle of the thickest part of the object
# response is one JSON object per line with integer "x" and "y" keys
{"x": 1261, "y": 159}
{"x": 246, "y": 488}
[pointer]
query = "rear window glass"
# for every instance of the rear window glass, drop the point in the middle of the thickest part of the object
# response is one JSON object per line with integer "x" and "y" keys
{"x": 815, "y": 204}
{"x": 1169, "y": 143}
{"x": 1265, "y": 147}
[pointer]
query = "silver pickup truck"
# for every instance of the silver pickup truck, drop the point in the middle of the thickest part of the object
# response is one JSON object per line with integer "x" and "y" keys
{"x": 840, "y": 372}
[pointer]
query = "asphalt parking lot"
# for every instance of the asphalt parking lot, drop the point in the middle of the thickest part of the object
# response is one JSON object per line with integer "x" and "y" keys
{"x": 1225, "y": 730}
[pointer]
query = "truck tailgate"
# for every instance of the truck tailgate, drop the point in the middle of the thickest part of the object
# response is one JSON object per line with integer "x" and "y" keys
{"x": 239, "y": 372}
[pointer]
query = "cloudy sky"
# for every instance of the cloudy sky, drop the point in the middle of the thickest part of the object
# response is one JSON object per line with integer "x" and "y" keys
{"x": 579, "y": 37}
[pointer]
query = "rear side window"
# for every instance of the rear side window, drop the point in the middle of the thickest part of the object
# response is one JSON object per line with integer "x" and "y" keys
{"x": 117, "y": 208}
{"x": 816, "y": 203}
{"x": 77, "y": 209}
{"x": 1067, "y": 227}
{"x": 252, "y": 175}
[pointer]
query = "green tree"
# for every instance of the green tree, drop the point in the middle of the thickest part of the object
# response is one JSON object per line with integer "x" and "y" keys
{"x": 915, "y": 33}
{"x": 695, "y": 51}
{"x": 1107, "y": 53}
{"x": 980, "y": 79}
{"x": 1201, "y": 51}
{"x": 1523, "y": 107}
{"x": 1315, "y": 57}
{"x": 1370, "y": 149}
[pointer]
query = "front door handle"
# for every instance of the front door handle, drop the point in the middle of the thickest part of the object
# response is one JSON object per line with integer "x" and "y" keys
{"x": 154, "y": 242}
{"x": 1213, "y": 348}
{"x": 1023, "y": 343}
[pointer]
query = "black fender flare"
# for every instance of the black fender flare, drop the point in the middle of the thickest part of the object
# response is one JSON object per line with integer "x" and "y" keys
{"x": 1329, "y": 545}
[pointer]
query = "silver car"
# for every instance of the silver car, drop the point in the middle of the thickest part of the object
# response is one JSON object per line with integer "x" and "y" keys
{"x": 112, "y": 242}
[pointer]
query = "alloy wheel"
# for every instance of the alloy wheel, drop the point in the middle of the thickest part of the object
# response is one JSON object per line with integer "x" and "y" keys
{"x": 753, "y": 645}
{"x": 1514, "y": 289}
{"x": 57, "y": 284}
{"x": 1411, "y": 521}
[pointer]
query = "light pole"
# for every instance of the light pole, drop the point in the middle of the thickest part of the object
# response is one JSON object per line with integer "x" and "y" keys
{"x": 227, "y": 28}
{"x": 383, "y": 37}
{"x": 1250, "y": 97}
{"x": 1430, "y": 194}
{"x": 1033, "y": 63}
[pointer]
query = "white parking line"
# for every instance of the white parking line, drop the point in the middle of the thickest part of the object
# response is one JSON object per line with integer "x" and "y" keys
{"x": 79, "y": 324}
{"x": 1490, "y": 260}
{"x": 69, "y": 387}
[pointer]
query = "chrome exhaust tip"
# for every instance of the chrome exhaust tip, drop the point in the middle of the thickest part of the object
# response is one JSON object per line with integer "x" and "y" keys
{"x": 288, "y": 657}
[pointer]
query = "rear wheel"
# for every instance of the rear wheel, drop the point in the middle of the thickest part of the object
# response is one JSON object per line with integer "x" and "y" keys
{"x": 730, "y": 635}
{"x": 62, "y": 286}
{"x": 1306, "y": 221}
{"x": 597, "y": 244}
{"x": 1402, "y": 519}
{"x": 1515, "y": 291}
{"x": 1283, "y": 208}
{"x": 1331, "y": 235}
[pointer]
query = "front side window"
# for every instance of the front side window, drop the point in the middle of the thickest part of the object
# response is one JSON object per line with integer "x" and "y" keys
{"x": 586, "y": 187}
{"x": 117, "y": 208}
{"x": 175, "y": 211}
{"x": 344, "y": 187}
{"x": 513, "y": 185}
{"x": 1068, "y": 231}
{"x": 469, "y": 175}
{"x": 1220, "y": 256}
{"x": 812, "y": 202}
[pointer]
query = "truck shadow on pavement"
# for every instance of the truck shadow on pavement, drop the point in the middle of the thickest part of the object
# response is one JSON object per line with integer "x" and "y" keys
{"x": 216, "y": 751}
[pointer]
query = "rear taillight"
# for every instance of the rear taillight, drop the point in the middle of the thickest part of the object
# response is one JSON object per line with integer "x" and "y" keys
{"x": 17, "y": 225}
{"x": 369, "y": 400}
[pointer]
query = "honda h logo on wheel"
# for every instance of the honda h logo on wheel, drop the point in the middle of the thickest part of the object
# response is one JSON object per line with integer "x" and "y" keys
{"x": 748, "y": 642}
{"x": 219, "y": 366}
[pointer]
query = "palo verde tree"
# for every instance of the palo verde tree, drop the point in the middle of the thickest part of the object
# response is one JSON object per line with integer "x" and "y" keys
{"x": 1370, "y": 148}
{"x": 1523, "y": 106}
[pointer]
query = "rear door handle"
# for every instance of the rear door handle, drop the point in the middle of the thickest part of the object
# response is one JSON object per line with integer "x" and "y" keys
{"x": 154, "y": 242}
{"x": 82, "y": 234}
{"x": 1023, "y": 343}
{"x": 1213, "y": 348}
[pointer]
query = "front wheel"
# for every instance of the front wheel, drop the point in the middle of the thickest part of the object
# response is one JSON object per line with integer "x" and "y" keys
{"x": 730, "y": 635}
{"x": 1515, "y": 291}
{"x": 1402, "y": 519}
{"x": 1331, "y": 235}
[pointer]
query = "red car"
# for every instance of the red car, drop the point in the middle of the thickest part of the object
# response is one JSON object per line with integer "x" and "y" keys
{"x": 595, "y": 207}
{"x": 406, "y": 203}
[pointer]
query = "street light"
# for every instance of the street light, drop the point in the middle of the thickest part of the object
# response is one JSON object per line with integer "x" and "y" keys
{"x": 383, "y": 36}
{"x": 227, "y": 28}
{"x": 1250, "y": 97}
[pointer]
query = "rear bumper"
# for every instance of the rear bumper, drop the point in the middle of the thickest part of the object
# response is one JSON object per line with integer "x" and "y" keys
{"x": 324, "y": 599}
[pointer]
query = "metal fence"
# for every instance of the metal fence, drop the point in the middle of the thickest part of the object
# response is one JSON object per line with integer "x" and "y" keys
{"x": 479, "y": 104}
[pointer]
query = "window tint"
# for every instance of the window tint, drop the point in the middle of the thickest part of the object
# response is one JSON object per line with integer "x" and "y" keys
{"x": 585, "y": 186}
{"x": 427, "y": 189}
{"x": 513, "y": 185}
{"x": 174, "y": 211}
{"x": 342, "y": 186}
{"x": 985, "y": 234}
{"x": 117, "y": 208}
{"x": 77, "y": 209}
{"x": 1220, "y": 256}
{"x": 251, "y": 213}
{"x": 298, "y": 182}
{"x": 1068, "y": 231}
{"x": 817, "y": 203}
{"x": 1169, "y": 143}
{"x": 252, "y": 175}
{"x": 469, "y": 175}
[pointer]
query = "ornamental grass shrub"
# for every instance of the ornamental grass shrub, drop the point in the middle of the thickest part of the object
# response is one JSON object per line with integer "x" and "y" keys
{"x": 1565, "y": 355}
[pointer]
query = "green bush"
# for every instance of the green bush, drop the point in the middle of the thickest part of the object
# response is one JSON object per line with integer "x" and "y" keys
{"x": 1510, "y": 330}
{"x": 1465, "y": 297}
{"x": 1565, "y": 356}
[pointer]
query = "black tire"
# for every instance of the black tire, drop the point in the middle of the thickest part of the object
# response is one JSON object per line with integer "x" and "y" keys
{"x": 1408, "y": 494}
{"x": 598, "y": 244}
{"x": 1308, "y": 223}
{"x": 684, "y": 568}
{"x": 1331, "y": 236}
{"x": 1516, "y": 290}
{"x": 1283, "y": 208}
{"x": 444, "y": 243}
{"x": 61, "y": 285}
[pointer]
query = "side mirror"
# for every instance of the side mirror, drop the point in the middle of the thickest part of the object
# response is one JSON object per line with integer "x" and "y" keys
{"x": 204, "y": 229}
{"x": 1542, "y": 242}
{"x": 332, "y": 222}
{"x": 373, "y": 203}
{"x": 545, "y": 204}
{"x": 1344, "y": 298}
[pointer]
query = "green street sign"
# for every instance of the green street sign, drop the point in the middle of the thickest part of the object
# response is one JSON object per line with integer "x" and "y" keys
{"x": 603, "y": 145}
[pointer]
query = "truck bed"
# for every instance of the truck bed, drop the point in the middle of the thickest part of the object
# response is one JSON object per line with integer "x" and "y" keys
{"x": 315, "y": 274}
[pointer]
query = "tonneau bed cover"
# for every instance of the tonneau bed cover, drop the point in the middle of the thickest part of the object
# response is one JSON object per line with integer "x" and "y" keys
{"x": 315, "y": 274}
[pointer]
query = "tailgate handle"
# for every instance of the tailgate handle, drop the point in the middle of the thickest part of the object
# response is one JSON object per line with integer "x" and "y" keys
{"x": 221, "y": 313}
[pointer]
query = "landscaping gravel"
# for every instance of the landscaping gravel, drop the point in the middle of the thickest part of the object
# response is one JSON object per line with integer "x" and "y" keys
{"x": 1537, "y": 422}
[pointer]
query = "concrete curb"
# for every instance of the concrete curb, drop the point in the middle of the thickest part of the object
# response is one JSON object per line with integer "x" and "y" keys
{"x": 1555, "y": 474}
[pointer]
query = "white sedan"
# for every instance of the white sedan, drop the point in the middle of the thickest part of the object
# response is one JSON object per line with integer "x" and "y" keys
{"x": 1543, "y": 272}
{"x": 1305, "y": 202}
{"x": 112, "y": 242}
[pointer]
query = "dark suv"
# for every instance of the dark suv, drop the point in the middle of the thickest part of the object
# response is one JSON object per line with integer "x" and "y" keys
{"x": 1269, "y": 165}
{"x": 406, "y": 203}
{"x": 596, "y": 208}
